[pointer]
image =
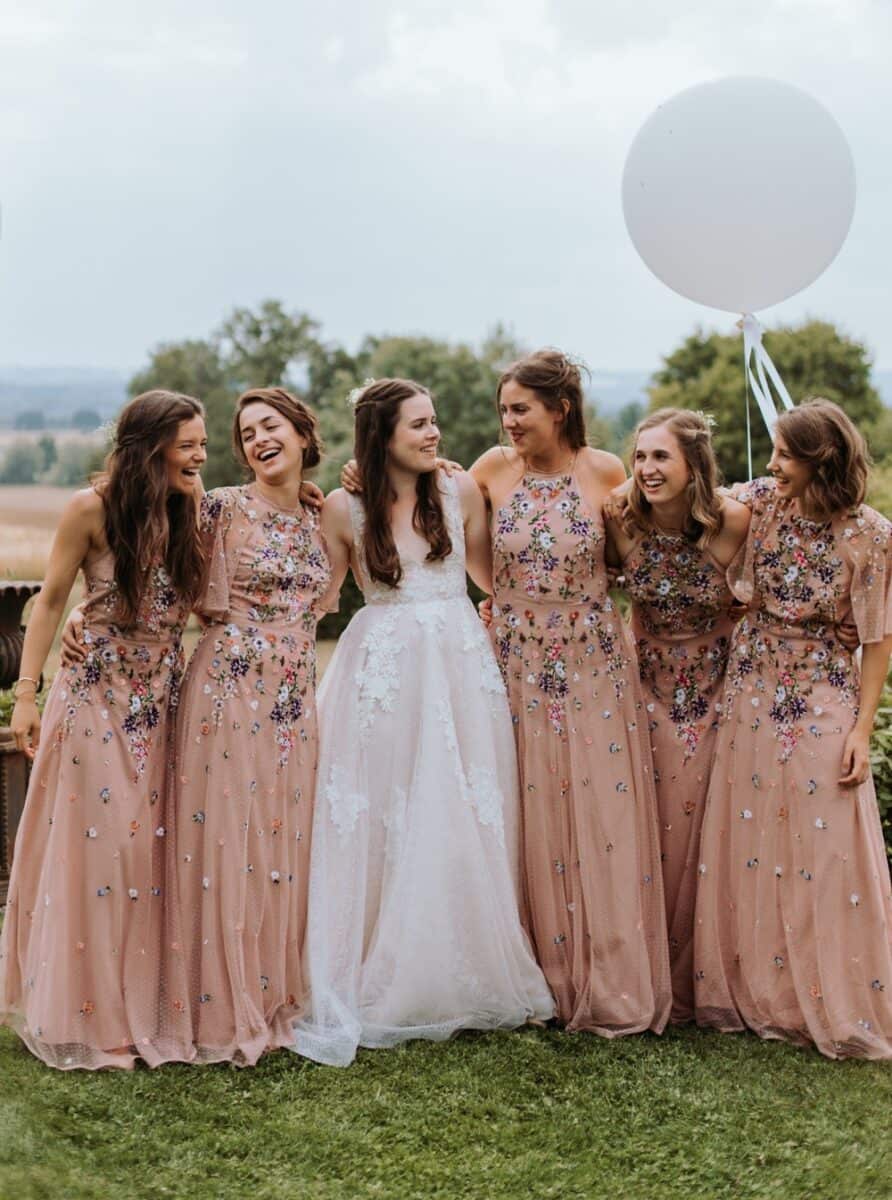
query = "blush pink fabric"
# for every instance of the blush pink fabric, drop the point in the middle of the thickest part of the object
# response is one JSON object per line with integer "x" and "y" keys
{"x": 794, "y": 912}
{"x": 81, "y": 944}
{"x": 243, "y": 785}
{"x": 593, "y": 892}
{"x": 681, "y": 623}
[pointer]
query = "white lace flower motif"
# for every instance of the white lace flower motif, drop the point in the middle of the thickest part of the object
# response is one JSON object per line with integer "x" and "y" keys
{"x": 487, "y": 798}
{"x": 344, "y": 805}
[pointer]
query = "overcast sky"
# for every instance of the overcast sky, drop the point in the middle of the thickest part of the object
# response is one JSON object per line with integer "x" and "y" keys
{"x": 389, "y": 166}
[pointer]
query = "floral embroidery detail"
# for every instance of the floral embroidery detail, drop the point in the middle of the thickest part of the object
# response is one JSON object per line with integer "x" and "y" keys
{"x": 680, "y": 596}
{"x": 535, "y": 568}
{"x": 265, "y": 652}
{"x": 787, "y": 649}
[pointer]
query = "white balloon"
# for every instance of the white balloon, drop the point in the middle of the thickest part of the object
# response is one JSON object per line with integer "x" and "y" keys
{"x": 739, "y": 193}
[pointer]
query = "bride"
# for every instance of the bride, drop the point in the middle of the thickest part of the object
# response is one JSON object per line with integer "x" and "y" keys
{"x": 413, "y": 920}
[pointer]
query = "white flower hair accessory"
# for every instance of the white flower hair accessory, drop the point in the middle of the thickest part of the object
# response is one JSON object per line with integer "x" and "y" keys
{"x": 354, "y": 395}
{"x": 707, "y": 418}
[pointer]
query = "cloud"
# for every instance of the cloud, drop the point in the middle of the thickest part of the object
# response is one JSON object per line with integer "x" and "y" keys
{"x": 386, "y": 165}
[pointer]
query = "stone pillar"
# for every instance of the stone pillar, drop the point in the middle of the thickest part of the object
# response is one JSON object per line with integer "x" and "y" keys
{"x": 14, "y": 766}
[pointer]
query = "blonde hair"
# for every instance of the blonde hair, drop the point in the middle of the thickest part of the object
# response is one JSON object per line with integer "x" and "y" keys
{"x": 819, "y": 433}
{"x": 691, "y": 431}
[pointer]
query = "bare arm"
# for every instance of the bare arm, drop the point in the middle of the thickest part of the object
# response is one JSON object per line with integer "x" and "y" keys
{"x": 856, "y": 752}
{"x": 338, "y": 534}
{"x": 80, "y": 526}
{"x": 732, "y": 535}
{"x": 478, "y": 548}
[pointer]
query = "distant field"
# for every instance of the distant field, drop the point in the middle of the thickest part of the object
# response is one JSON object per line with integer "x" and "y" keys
{"x": 59, "y": 436}
{"x": 28, "y": 519}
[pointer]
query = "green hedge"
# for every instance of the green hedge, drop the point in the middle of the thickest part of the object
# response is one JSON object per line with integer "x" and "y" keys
{"x": 881, "y": 762}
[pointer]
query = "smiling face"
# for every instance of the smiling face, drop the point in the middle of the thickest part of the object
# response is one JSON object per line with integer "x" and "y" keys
{"x": 791, "y": 475}
{"x": 186, "y": 455}
{"x": 659, "y": 465}
{"x": 416, "y": 436}
{"x": 273, "y": 448}
{"x": 534, "y": 429}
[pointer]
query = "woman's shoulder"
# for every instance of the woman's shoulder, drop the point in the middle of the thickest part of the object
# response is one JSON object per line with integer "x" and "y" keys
{"x": 607, "y": 468}
{"x": 735, "y": 515}
{"x": 87, "y": 503}
{"x": 496, "y": 460}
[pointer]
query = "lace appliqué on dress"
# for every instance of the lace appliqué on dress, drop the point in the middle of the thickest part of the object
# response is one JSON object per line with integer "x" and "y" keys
{"x": 483, "y": 785}
{"x": 344, "y": 805}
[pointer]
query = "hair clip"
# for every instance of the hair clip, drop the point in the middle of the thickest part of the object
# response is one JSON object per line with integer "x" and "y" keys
{"x": 355, "y": 394}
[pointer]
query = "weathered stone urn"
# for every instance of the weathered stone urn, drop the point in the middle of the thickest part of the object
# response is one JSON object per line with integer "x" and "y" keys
{"x": 14, "y": 766}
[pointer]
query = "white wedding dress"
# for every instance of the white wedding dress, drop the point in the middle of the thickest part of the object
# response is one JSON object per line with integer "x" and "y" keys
{"x": 413, "y": 927}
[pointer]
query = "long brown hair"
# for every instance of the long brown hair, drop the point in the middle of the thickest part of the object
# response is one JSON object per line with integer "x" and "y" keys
{"x": 819, "y": 433}
{"x": 557, "y": 381}
{"x": 691, "y": 431}
{"x": 377, "y": 412}
{"x": 292, "y": 409}
{"x": 146, "y": 523}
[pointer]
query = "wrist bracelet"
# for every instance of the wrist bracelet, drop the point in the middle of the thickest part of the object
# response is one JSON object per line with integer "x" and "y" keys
{"x": 23, "y": 679}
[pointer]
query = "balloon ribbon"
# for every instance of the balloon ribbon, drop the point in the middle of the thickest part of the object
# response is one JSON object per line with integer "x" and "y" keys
{"x": 759, "y": 369}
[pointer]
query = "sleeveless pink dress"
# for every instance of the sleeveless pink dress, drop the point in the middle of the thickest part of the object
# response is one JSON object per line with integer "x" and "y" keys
{"x": 244, "y": 782}
{"x": 681, "y": 622}
{"x": 81, "y": 944}
{"x": 793, "y": 931}
{"x": 590, "y": 845}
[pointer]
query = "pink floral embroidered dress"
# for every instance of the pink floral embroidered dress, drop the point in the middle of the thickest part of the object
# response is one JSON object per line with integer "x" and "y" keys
{"x": 681, "y": 623}
{"x": 81, "y": 945}
{"x": 590, "y": 845}
{"x": 794, "y": 912}
{"x": 244, "y": 782}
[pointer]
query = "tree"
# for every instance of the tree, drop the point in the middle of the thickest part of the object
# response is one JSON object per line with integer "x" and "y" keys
{"x": 31, "y": 418}
{"x": 86, "y": 420}
{"x": 462, "y": 380}
{"x": 76, "y": 462}
{"x": 197, "y": 368}
{"x": 262, "y": 348}
{"x": 706, "y": 372}
{"x": 47, "y": 447}
{"x": 249, "y": 349}
{"x": 21, "y": 462}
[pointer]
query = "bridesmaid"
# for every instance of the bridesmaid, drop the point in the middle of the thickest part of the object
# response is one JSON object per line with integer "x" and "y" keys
{"x": 590, "y": 841}
{"x": 675, "y": 536}
{"x": 242, "y": 794}
{"x": 81, "y": 944}
{"x": 794, "y": 914}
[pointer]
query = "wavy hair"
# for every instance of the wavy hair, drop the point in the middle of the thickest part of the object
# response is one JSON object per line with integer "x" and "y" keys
{"x": 146, "y": 523}
{"x": 292, "y": 409}
{"x": 819, "y": 433}
{"x": 556, "y": 379}
{"x": 691, "y": 431}
{"x": 377, "y": 412}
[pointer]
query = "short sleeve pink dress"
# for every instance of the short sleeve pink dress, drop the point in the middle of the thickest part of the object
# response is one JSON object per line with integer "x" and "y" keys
{"x": 793, "y": 934}
{"x": 243, "y": 784}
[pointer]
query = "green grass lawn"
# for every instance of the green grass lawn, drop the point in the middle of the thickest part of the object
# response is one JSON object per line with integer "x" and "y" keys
{"x": 529, "y": 1114}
